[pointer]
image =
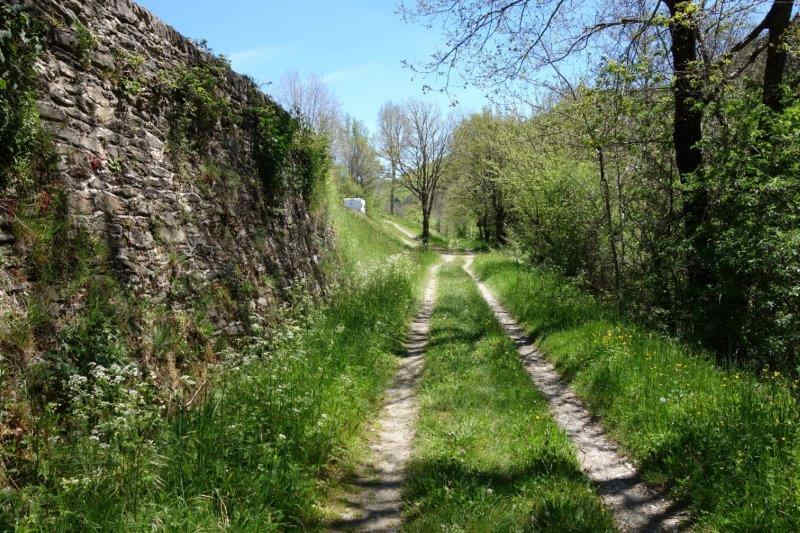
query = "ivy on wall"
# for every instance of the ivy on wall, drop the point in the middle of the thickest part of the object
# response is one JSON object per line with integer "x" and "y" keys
{"x": 25, "y": 154}
{"x": 290, "y": 158}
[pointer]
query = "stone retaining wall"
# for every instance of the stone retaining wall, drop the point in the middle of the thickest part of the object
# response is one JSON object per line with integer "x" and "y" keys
{"x": 164, "y": 213}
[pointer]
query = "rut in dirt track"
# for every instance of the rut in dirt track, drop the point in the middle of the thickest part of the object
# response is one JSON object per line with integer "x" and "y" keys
{"x": 636, "y": 506}
{"x": 376, "y": 504}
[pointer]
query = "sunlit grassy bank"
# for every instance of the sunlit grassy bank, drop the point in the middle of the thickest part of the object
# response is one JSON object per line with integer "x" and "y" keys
{"x": 724, "y": 441}
{"x": 248, "y": 452}
{"x": 488, "y": 456}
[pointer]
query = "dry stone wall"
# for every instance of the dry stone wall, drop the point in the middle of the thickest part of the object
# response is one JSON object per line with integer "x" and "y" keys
{"x": 167, "y": 209}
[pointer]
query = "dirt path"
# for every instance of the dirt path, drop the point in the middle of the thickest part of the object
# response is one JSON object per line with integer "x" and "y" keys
{"x": 376, "y": 502}
{"x": 636, "y": 506}
{"x": 411, "y": 239}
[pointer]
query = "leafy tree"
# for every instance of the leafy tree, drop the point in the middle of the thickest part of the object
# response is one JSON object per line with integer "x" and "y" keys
{"x": 423, "y": 160}
{"x": 475, "y": 172}
{"x": 754, "y": 212}
{"x": 392, "y": 140}
{"x": 359, "y": 157}
{"x": 508, "y": 43}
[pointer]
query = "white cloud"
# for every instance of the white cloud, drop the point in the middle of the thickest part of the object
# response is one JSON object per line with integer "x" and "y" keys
{"x": 253, "y": 56}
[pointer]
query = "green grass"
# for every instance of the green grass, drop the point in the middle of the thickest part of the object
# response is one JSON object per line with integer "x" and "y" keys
{"x": 467, "y": 244}
{"x": 437, "y": 240}
{"x": 488, "y": 457}
{"x": 724, "y": 441}
{"x": 277, "y": 418}
{"x": 361, "y": 238}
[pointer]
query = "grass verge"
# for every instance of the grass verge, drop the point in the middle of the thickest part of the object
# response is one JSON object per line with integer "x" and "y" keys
{"x": 726, "y": 442}
{"x": 249, "y": 451}
{"x": 488, "y": 457}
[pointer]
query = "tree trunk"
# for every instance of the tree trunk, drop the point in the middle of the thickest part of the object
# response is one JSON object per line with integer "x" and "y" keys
{"x": 687, "y": 134}
{"x": 391, "y": 189}
{"x": 621, "y": 211}
{"x": 426, "y": 225}
{"x": 612, "y": 240}
{"x": 499, "y": 217}
{"x": 779, "y": 17}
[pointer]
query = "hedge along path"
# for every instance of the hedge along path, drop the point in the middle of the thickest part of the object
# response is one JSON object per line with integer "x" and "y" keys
{"x": 377, "y": 506}
{"x": 636, "y": 506}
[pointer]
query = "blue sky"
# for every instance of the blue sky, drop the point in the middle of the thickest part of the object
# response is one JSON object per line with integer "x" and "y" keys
{"x": 356, "y": 46}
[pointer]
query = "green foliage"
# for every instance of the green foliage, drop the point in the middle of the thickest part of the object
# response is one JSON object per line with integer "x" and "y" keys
{"x": 85, "y": 42}
{"x": 751, "y": 310}
{"x": 290, "y": 159}
{"x": 476, "y": 175}
{"x": 245, "y": 447}
{"x": 488, "y": 456}
{"x": 25, "y": 153}
{"x": 273, "y": 133}
{"x": 311, "y": 158}
{"x": 127, "y": 74}
{"x": 92, "y": 339}
{"x": 58, "y": 252}
{"x": 590, "y": 187}
{"x": 197, "y": 106}
{"x": 704, "y": 432}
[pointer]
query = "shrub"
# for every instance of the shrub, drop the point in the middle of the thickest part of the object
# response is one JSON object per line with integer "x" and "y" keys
{"x": 24, "y": 147}
{"x": 290, "y": 158}
{"x": 197, "y": 106}
{"x": 272, "y": 131}
{"x": 750, "y": 312}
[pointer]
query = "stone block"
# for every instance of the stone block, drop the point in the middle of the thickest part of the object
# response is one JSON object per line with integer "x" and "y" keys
{"x": 112, "y": 204}
{"x": 51, "y": 112}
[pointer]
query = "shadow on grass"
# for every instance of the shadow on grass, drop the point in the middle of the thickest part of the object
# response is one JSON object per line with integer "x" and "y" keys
{"x": 555, "y": 490}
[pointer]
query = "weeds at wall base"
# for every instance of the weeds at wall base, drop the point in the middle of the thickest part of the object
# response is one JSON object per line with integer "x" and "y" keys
{"x": 246, "y": 442}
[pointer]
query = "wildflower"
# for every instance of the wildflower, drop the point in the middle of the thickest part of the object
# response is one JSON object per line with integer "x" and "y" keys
{"x": 662, "y": 400}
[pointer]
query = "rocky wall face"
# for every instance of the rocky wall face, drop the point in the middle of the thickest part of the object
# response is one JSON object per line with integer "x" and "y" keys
{"x": 166, "y": 206}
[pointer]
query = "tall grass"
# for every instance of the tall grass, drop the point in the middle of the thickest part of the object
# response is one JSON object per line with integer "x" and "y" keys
{"x": 251, "y": 449}
{"x": 488, "y": 456}
{"x": 724, "y": 441}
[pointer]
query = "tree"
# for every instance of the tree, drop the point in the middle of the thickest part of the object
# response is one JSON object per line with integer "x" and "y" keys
{"x": 703, "y": 50}
{"x": 360, "y": 158}
{"x": 477, "y": 161}
{"x": 508, "y": 42}
{"x": 422, "y": 162}
{"x": 311, "y": 102}
{"x": 392, "y": 140}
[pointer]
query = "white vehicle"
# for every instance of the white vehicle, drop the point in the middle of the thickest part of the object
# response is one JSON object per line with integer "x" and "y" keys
{"x": 356, "y": 204}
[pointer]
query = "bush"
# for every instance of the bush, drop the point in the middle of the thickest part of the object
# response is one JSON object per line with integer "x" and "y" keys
{"x": 751, "y": 310}
{"x": 290, "y": 158}
{"x": 24, "y": 147}
{"x": 197, "y": 106}
{"x": 273, "y": 131}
